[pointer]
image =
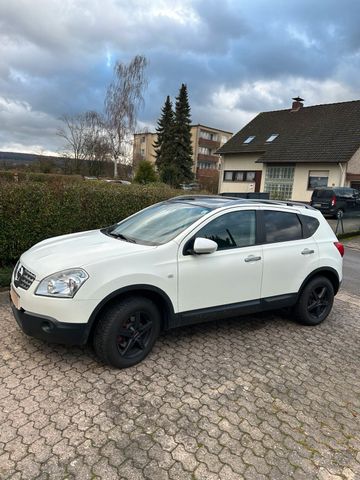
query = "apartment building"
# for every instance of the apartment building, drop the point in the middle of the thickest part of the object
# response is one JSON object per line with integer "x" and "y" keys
{"x": 205, "y": 142}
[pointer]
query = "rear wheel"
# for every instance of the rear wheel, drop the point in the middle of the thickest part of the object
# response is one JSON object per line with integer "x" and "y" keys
{"x": 315, "y": 301}
{"x": 127, "y": 331}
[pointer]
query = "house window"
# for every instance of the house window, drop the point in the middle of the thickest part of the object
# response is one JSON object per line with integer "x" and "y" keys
{"x": 250, "y": 177}
{"x": 204, "y": 151}
{"x": 238, "y": 176}
{"x": 142, "y": 152}
{"x": 142, "y": 139}
{"x": 272, "y": 137}
{"x": 207, "y": 165}
{"x": 279, "y": 182}
{"x": 318, "y": 178}
{"x": 249, "y": 139}
{"x": 208, "y": 135}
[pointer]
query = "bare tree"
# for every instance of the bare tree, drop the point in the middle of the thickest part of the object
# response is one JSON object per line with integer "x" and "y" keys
{"x": 96, "y": 143}
{"x": 73, "y": 131}
{"x": 124, "y": 96}
{"x": 97, "y": 149}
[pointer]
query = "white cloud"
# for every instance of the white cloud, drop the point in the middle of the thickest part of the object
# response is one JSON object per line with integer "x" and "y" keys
{"x": 22, "y": 126}
{"x": 238, "y": 58}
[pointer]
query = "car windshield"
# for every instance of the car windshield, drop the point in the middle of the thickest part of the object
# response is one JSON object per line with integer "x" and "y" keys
{"x": 157, "y": 224}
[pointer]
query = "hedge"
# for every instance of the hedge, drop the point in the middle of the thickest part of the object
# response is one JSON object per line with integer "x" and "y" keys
{"x": 24, "y": 176}
{"x": 31, "y": 212}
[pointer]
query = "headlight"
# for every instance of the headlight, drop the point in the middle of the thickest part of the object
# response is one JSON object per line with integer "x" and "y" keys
{"x": 62, "y": 284}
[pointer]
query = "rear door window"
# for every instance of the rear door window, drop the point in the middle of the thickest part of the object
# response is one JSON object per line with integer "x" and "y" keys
{"x": 281, "y": 226}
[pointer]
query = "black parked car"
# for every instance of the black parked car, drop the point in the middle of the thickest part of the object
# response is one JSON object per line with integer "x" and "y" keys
{"x": 335, "y": 201}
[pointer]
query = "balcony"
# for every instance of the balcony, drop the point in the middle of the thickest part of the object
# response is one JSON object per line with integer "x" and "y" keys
{"x": 207, "y": 158}
{"x": 203, "y": 142}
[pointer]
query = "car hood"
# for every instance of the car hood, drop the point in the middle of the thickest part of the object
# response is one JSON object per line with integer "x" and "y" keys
{"x": 76, "y": 250}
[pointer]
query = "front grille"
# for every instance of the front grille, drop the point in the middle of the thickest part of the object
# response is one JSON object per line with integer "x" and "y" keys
{"x": 23, "y": 278}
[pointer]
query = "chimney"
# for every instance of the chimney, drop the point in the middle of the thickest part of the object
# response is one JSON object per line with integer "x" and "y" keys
{"x": 297, "y": 104}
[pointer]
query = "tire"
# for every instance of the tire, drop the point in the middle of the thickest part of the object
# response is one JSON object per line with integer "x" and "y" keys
{"x": 315, "y": 301}
{"x": 127, "y": 331}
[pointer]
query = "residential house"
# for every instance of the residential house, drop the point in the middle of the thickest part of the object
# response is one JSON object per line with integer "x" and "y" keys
{"x": 205, "y": 142}
{"x": 288, "y": 153}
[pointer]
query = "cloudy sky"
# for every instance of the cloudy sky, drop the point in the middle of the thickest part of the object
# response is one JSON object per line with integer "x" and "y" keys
{"x": 238, "y": 57}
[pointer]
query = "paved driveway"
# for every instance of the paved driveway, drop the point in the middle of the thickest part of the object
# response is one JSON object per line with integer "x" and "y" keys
{"x": 254, "y": 398}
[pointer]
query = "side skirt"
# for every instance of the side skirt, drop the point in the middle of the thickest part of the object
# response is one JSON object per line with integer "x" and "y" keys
{"x": 232, "y": 310}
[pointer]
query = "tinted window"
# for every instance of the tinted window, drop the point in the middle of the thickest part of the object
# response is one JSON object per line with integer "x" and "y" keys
{"x": 282, "y": 226}
{"x": 232, "y": 230}
{"x": 323, "y": 194}
{"x": 310, "y": 225}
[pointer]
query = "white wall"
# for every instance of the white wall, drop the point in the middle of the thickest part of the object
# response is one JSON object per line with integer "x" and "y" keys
{"x": 301, "y": 177}
{"x": 354, "y": 163}
{"x": 238, "y": 162}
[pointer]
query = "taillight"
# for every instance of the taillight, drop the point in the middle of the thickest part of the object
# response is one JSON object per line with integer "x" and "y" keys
{"x": 333, "y": 201}
{"x": 340, "y": 248}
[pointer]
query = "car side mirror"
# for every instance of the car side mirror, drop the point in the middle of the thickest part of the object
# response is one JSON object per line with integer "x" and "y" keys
{"x": 204, "y": 245}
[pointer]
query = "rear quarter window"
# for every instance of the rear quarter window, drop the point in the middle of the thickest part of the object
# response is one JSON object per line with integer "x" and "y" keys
{"x": 310, "y": 225}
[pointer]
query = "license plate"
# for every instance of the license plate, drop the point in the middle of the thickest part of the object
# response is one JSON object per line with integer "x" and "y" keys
{"x": 317, "y": 205}
{"x": 15, "y": 298}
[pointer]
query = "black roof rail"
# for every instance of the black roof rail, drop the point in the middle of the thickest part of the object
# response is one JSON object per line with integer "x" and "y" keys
{"x": 239, "y": 200}
{"x": 288, "y": 203}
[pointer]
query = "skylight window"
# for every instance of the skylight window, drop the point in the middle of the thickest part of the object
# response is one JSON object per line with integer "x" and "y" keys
{"x": 272, "y": 137}
{"x": 249, "y": 139}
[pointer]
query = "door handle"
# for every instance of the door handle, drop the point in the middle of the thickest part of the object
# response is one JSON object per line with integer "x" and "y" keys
{"x": 307, "y": 251}
{"x": 252, "y": 258}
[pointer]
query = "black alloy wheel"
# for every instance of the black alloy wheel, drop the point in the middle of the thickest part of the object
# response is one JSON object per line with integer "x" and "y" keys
{"x": 134, "y": 335}
{"x": 318, "y": 301}
{"x": 315, "y": 301}
{"x": 127, "y": 331}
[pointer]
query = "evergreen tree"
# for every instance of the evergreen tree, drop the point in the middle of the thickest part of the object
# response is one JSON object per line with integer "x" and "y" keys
{"x": 182, "y": 137}
{"x": 164, "y": 145}
{"x": 145, "y": 173}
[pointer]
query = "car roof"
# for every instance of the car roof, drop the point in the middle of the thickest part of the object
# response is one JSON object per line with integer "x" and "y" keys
{"x": 340, "y": 189}
{"x": 216, "y": 201}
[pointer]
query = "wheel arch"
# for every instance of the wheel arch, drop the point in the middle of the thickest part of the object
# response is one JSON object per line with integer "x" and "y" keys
{"x": 158, "y": 296}
{"x": 328, "y": 272}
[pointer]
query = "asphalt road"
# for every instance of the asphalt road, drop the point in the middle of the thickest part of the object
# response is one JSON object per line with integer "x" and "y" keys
{"x": 351, "y": 279}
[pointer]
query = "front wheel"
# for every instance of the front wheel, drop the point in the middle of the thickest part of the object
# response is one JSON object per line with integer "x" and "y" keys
{"x": 315, "y": 301}
{"x": 127, "y": 331}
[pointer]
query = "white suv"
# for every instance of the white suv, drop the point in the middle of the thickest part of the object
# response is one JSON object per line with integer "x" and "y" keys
{"x": 185, "y": 260}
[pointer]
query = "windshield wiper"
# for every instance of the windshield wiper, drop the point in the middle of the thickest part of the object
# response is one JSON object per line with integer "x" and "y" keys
{"x": 122, "y": 237}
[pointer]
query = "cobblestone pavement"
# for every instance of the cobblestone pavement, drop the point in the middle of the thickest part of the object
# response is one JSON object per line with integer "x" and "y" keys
{"x": 255, "y": 398}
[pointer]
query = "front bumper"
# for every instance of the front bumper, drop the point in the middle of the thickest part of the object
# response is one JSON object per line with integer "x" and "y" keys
{"x": 49, "y": 329}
